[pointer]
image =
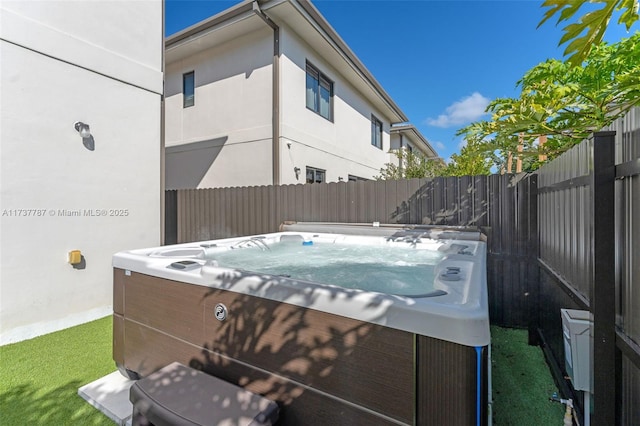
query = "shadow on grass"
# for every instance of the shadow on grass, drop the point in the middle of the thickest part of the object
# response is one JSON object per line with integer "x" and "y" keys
{"x": 24, "y": 404}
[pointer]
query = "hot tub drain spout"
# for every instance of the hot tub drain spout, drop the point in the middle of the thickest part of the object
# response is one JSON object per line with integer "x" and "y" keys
{"x": 569, "y": 412}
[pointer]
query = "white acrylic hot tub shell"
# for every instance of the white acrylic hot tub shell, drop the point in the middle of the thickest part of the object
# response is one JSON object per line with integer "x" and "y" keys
{"x": 460, "y": 316}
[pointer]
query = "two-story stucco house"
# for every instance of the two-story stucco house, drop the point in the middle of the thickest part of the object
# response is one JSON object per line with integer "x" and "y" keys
{"x": 267, "y": 92}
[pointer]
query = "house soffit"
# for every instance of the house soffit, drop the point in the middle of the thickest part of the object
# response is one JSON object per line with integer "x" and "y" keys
{"x": 178, "y": 48}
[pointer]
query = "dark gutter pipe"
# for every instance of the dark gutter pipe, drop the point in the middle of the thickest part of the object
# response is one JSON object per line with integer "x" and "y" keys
{"x": 400, "y": 165}
{"x": 275, "y": 96}
{"x": 162, "y": 176}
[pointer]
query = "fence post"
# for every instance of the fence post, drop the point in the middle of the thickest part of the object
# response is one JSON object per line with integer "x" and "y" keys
{"x": 533, "y": 252}
{"x": 170, "y": 217}
{"x": 603, "y": 294}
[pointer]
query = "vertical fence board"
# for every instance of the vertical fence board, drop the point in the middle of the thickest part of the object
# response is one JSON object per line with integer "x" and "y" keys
{"x": 414, "y": 209}
{"x": 481, "y": 204}
{"x": 495, "y": 245}
{"x": 465, "y": 200}
{"x": 429, "y": 204}
{"x": 353, "y": 189}
{"x": 361, "y": 201}
{"x": 385, "y": 193}
{"x": 171, "y": 217}
{"x": 401, "y": 212}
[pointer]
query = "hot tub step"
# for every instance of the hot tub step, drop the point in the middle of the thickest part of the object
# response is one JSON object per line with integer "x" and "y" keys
{"x": 179, "y": 395}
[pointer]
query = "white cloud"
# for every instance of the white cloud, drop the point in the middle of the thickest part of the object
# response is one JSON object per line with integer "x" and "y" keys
{"x": 463, "y": 111}
{"x": 439, "y": 146}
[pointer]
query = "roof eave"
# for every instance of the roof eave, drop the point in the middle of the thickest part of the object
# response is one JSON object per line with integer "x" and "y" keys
{"x": 225, "y": 15}
{"x": 410, "y": 128}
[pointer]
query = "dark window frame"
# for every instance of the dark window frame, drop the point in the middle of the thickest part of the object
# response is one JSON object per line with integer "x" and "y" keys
{"x": 188, "y": 100}
{"x": 376, "y": 131}
{"x": 320, "y": 82}
{"x": 354, "y": 178}
{"x": 316, "y": 172}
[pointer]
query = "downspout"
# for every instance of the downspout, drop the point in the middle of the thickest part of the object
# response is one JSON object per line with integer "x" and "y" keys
{"x": 275, "y": 96}
{"x": 163, "y": 213}
{"x": 400, "y": 165}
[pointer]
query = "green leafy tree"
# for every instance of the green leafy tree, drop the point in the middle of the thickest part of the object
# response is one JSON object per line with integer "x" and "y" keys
{"x": 411, "y": 165}
{"x": 587, "y": 30}
{"x": 563, "y": 102}
{"x": 470, "y": 162}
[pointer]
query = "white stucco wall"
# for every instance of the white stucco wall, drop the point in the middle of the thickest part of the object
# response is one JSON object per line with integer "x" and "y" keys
{"x": 342, "y": 146}
{"x": 62, "y": 62}
{"x": 229, "y": 127}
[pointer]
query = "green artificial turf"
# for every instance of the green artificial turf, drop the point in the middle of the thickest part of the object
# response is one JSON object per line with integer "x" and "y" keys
{"x": 39, "y": 378}
{"x": 521, "y": 382}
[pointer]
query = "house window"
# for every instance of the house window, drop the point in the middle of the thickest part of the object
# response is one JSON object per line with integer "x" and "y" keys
{"x": 315, "y": 175}
{"x": 188, "y": 89}
{"x": 319, "y": 92}
{"x": 353, "y": 178}
{"x": 376, "y": 132}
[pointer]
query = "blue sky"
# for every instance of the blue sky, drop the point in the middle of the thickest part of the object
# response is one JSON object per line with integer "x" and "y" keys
{"x": 441, "y": 61}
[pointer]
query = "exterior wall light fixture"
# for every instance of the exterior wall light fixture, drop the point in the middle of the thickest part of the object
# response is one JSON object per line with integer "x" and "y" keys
{"x": 83, "y": 129}
{"x": 85, "y": 133}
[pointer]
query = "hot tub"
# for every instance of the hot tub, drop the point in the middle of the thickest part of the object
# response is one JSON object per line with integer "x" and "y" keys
{"x": 341, "y": 324}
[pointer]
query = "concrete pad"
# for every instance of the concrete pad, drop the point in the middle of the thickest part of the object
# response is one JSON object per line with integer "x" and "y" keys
{"x": 110, "y": 394}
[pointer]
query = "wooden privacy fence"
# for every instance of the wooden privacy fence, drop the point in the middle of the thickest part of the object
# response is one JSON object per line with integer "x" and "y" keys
{"x": 498, "y": 204}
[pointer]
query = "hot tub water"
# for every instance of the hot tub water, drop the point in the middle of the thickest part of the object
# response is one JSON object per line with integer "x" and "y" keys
{"x": 402, "y": 270}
